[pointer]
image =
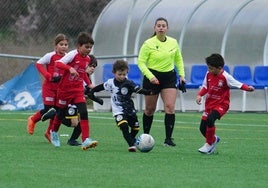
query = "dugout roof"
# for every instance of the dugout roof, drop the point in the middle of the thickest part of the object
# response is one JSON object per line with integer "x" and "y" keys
{"x": 237, "y": 29}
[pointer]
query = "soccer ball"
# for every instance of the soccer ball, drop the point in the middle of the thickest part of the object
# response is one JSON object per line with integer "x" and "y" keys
{"x": 145, "y": 143}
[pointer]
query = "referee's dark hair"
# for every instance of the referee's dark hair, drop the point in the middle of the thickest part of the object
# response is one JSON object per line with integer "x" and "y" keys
{"x": 159, "y": 19}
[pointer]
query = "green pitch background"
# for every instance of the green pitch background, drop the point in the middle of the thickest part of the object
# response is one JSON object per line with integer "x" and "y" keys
{"x": 240, "y": 160}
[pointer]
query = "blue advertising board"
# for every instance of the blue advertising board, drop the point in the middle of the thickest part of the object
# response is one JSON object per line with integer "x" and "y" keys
{"x": 22, "y": 92}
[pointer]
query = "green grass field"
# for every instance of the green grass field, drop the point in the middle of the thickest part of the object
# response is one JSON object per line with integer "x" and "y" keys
{"x": 240, "y": 160}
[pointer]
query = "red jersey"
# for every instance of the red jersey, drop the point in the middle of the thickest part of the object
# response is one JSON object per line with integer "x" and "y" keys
{"x": 217, "y": 88}
{"x": 70, "y": 83}
{"x": 51, "y": 70}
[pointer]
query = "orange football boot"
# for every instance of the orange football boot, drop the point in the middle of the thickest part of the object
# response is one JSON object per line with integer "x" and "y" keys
{"x": 30, "y": 125}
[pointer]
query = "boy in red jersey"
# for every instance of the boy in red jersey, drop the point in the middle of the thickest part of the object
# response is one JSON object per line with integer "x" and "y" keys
{"x": 52, "y": 75}
{"x": 73, "y": 121}
{"x": 216, "y": 87}
{"x": 71, "y": 118}
{"x": 71, "y": 89}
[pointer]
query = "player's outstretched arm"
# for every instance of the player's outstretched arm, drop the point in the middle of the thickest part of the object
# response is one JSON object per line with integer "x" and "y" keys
{"x": 245, "y": 87}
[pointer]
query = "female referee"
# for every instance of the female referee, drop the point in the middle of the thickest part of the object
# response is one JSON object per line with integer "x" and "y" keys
{"x": 158, "y": 57}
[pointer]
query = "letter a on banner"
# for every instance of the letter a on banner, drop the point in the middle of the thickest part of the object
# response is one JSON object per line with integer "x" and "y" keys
{"x": 22, "y": 92}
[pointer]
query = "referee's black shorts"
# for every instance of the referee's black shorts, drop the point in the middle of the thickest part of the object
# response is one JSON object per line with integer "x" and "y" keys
{"x": 166, "y": 80}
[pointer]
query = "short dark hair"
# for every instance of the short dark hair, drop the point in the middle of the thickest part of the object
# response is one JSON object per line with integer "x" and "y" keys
{"x": 120, "y": 65}
{"x": 84, "y": 38}
{"x": 215, "y": 60}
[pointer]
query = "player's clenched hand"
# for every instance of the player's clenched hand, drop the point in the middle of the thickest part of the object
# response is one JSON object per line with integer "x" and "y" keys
{"x": 55, "y": 79}
{"x": 251, "y": 88}
{"x": 73, "y": 72}
{"x": 198, "y": 99}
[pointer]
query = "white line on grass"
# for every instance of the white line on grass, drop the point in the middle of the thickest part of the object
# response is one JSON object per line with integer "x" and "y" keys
{"x": 155, "y": 120}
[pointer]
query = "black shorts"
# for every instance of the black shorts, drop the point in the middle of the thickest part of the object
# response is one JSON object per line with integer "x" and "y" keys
{"x": 166, "y": 80}
{"x": 131, "y": 120}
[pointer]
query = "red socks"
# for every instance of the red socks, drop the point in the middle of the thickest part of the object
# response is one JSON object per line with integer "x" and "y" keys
{"x": 49, "y": 126}
{"x": 210, "y": 135}
{"x": 36, "y": 117}
{"x": 85, "y": 129}
{"x": 56, "y": 124}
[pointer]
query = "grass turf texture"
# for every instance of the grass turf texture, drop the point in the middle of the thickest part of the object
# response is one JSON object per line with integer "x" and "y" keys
{"x": 240, "y": 159}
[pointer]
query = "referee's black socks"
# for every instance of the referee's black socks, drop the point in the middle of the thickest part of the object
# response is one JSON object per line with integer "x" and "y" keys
{"x": 147, "y": 123}
{"x": 169, "y": 124}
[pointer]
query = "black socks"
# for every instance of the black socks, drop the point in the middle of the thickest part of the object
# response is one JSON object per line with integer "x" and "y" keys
{"x": 169, "y": 124}
{"x": 147, "y": 123}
